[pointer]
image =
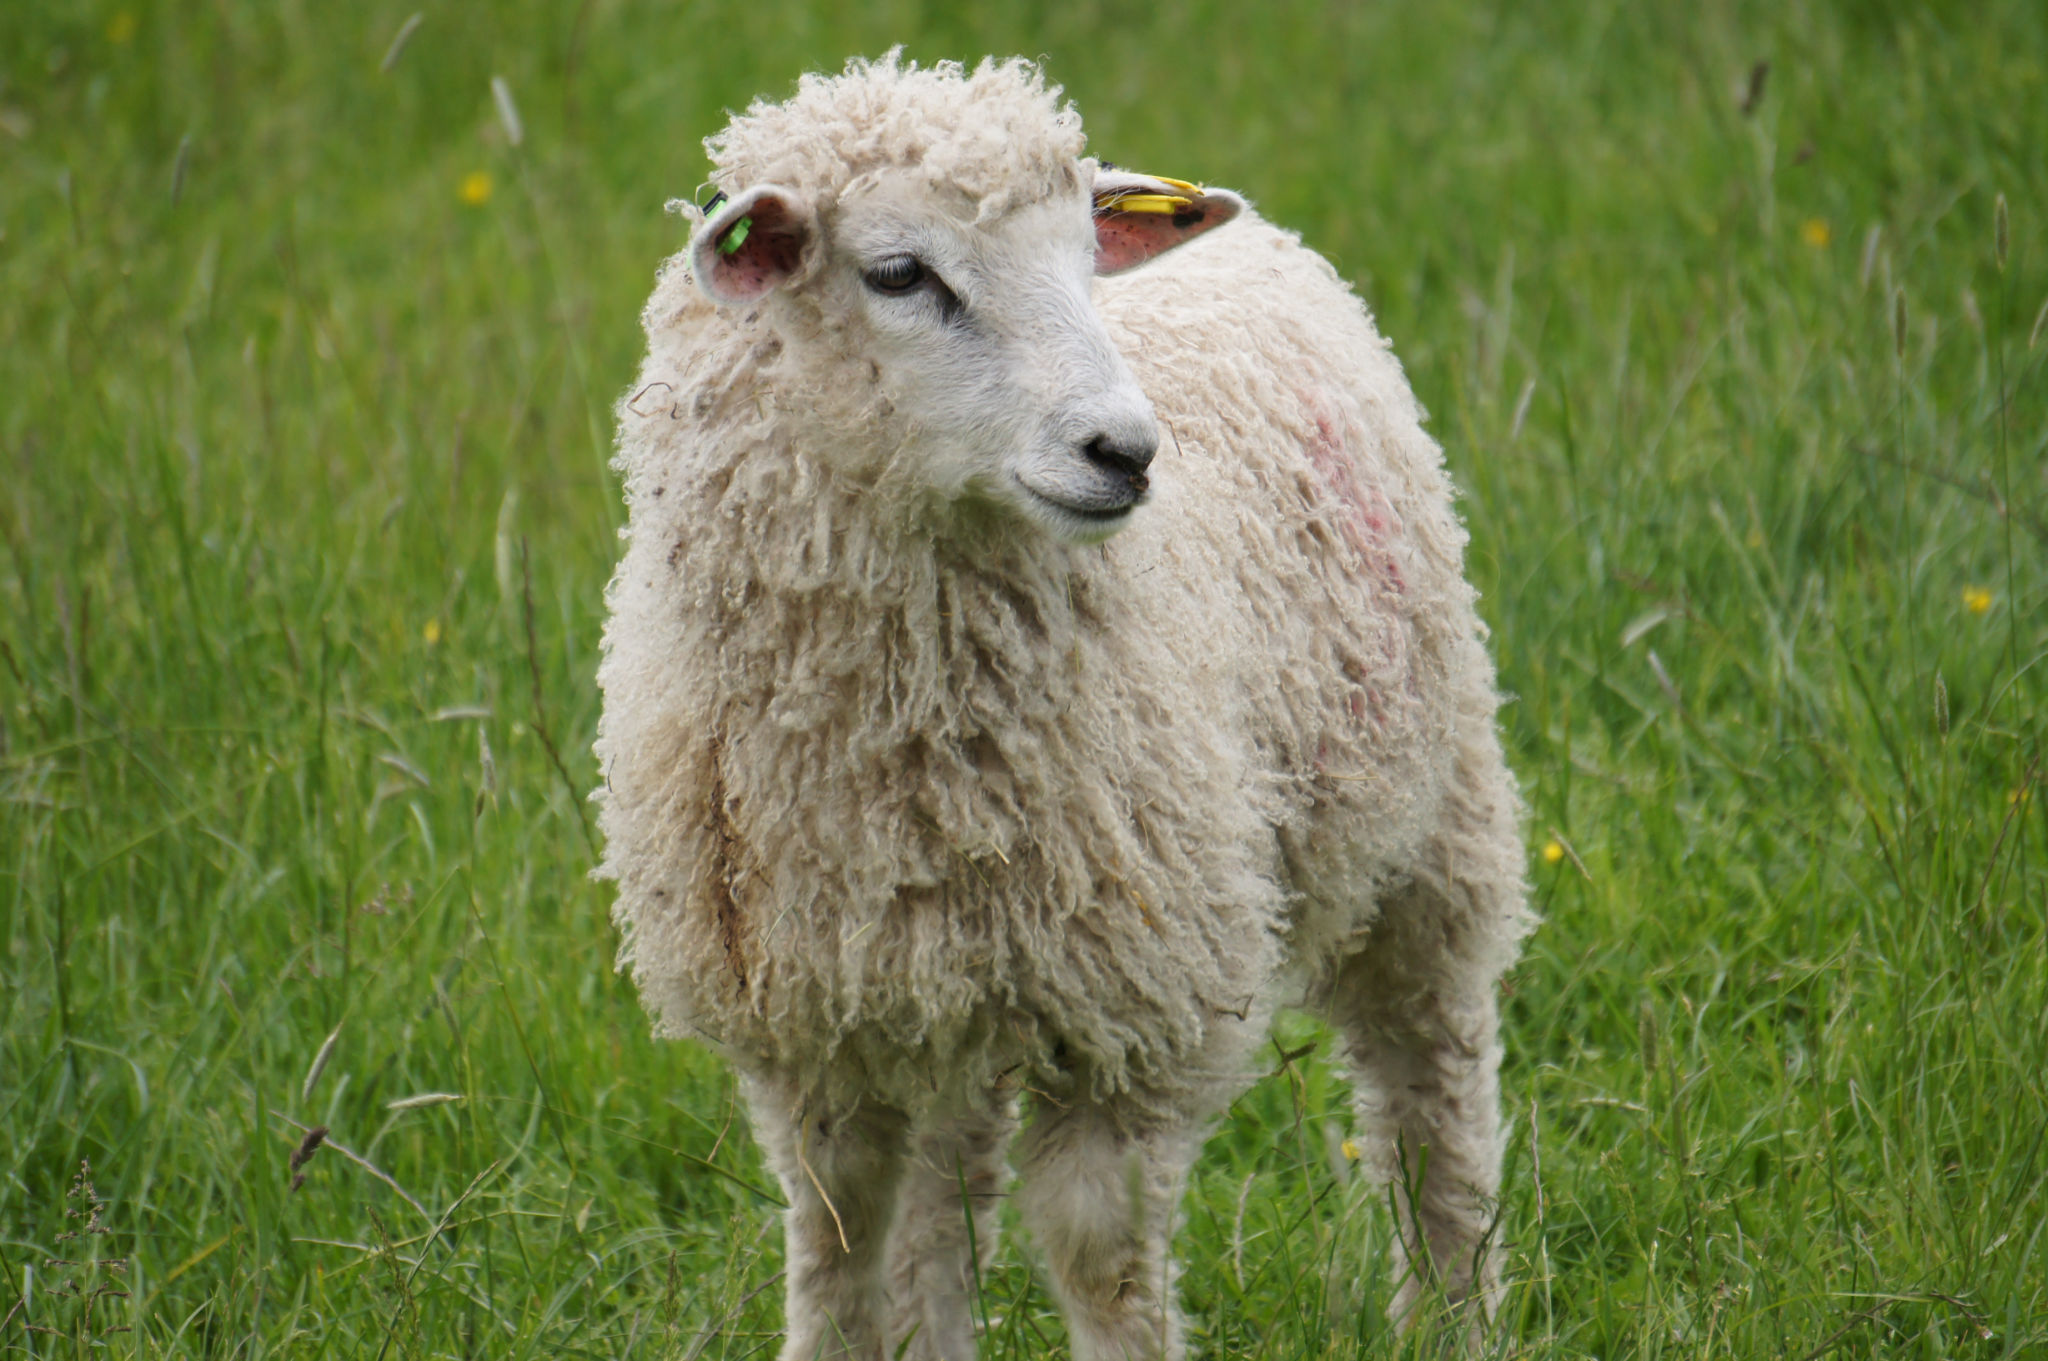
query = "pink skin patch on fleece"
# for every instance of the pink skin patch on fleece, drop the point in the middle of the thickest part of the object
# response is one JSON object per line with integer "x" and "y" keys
{"x": 1366, "y": 517}
{"x": 1369, "y": 524}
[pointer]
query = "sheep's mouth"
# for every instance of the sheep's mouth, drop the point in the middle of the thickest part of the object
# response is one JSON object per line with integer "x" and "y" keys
{"x": 1098, "y": 515}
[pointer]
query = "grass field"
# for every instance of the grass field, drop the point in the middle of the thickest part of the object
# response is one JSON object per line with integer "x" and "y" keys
{"x": 306, "y": 368}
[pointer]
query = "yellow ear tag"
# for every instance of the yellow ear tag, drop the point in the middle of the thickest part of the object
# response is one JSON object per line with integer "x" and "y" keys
{"x": 1147, "y": 203}
{"x": 1136, "y": 201}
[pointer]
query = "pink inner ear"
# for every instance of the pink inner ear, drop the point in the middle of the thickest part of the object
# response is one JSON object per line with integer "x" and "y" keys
{"x": 1125, "y": 240}
{"x": 771, "y": 252}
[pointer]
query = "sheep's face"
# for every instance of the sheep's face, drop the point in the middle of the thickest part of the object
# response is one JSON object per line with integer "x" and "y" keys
{"x": 984, "y": 333}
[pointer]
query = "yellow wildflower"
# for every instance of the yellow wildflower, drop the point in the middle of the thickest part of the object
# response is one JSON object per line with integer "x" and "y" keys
{"x": 432, "y": 632}
{"x": 1815, "y": 232}
{"x": 476, "y": 188}
{"x": 1350, "y": 1150}
{"x": 121, "y": 27}
{"x": 1976, "y": 600}
{"x": 1552, "y": 852}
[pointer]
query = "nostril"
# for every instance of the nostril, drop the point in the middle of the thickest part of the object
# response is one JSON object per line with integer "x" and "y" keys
{"x": 1122, "y": 456}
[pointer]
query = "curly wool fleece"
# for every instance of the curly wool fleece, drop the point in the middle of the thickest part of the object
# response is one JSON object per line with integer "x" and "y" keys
{"x": 915, "y": 803}
{"x": 997, "y": 136}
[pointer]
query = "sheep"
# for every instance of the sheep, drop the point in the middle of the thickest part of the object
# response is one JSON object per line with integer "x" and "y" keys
{"x": 1024, "y": 673}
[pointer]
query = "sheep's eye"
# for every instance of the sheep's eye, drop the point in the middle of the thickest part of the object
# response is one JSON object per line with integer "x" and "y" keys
{"x": 897, "y": 274}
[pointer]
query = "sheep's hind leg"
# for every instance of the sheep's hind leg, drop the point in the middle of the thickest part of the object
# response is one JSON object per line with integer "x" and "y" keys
{"x": 1428, "y": 1109}
{"x": 1100, "y": 1203}
{"x": 839, "y": 1171}
{"x": 1420, "y": 1023}
{"x": 947, "y": 1217}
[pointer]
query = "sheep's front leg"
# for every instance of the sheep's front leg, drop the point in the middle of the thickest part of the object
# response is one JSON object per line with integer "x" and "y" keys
{"x": 839, "y": 1171}
{"x": 1100, "y": 1204}
{"x": 946, "y": 1224}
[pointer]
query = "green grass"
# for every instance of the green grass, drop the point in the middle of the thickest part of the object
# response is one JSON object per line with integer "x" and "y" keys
{"x": 307, "y": 517}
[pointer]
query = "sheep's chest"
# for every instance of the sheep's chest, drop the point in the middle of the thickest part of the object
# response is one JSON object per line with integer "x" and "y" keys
{"x": 992, "y": 830}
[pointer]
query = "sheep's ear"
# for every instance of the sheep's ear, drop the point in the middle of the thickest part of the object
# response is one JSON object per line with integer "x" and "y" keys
{"x": 753, "y": 243}
{"x": 1140, "y": 216}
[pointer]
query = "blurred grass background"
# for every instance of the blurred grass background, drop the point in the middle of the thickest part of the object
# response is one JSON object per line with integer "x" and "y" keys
{"x": 305, "y": 384}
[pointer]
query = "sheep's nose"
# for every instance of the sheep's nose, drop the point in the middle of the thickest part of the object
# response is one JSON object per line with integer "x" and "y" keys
{"x": 1126, "y": 454}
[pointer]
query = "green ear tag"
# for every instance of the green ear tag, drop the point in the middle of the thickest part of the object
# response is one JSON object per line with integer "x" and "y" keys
{"x": 737, "y": 237}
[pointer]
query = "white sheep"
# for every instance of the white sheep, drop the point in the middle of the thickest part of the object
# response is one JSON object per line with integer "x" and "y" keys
{"x": 923, "y": 792}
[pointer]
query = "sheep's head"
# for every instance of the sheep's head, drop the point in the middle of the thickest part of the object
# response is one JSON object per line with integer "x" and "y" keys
{"x": 973, "y": 301}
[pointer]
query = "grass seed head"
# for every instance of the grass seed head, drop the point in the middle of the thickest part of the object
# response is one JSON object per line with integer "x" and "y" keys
{"x": 308, "y": 1146}
{"x": 487, "y": 764}
{"x": 404, "y": 36}
{"x": 319, "y": 1065}
{"x": 508, "y": 112}
{"x": 413, "y": 1103}
{"x": 1753, "y": 89}
{"x": 178, "y": 164}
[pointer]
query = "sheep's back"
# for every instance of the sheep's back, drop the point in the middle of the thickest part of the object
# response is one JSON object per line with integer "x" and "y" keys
{"x": 1295, "y": 469}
